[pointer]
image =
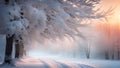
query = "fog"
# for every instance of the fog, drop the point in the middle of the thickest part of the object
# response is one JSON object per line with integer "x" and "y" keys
{"x": 67, "y": 46}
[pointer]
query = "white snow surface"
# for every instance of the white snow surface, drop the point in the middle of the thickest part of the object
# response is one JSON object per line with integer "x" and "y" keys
{"x": 44, "y": 63}
{"x": 47, "y": 62}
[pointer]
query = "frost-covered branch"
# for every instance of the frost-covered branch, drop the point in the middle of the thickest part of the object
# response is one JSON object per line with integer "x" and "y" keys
{"x": 46, "y": 19}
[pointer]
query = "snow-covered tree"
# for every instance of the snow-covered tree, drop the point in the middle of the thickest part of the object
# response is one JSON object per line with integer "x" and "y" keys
{"x": 25, "y": 20}
{"x": 12, "y": 24}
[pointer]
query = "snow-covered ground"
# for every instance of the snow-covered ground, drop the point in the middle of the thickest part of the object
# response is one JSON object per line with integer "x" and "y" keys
{"x": 62, "y": 63}
{"x": 44, "y": 63}
{"x": 96, "y": 63}
{"x": 101, "y": 63}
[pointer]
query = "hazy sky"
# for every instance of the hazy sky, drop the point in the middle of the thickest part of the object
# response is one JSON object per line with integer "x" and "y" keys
{"x": 115, "y": 4}
{"x": 111, "y": 1}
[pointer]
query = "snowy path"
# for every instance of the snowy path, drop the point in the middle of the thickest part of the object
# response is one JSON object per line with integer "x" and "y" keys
{"x": 44, "y": 63}
{"x": 101, "y": 63}
{"x": 62, "y": 63}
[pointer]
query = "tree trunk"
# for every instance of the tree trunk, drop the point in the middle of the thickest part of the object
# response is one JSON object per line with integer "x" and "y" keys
{"x": 88, "y": 51}
{"x": 8, "y": 50}
{"x": 106, "y": 55}
{"x": 112, "y": 54}
{"x": 19, "y": 50}
{"x": 88, "y": 55}
{"x": 118, "y": 52}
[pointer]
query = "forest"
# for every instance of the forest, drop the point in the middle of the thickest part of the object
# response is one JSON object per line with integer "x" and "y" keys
{"x": 74, "y": 29}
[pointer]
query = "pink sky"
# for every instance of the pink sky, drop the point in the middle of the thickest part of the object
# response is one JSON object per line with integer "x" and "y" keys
{"x": 115, "y": 5}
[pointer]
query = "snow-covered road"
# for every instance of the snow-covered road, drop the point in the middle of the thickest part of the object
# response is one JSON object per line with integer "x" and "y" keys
{"x": 62, "y": 63}
{"x": 44, "y": 63}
